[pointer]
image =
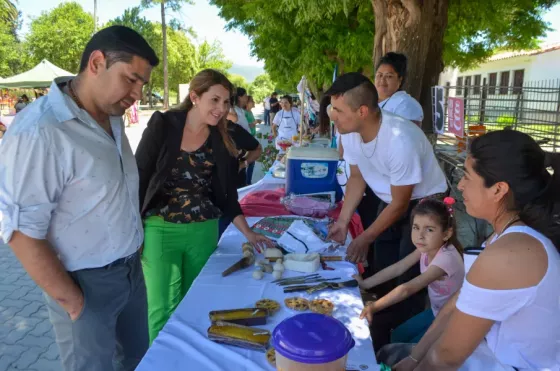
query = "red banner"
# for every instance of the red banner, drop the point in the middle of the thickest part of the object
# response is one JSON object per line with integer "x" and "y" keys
{"x": 456, "y": 116}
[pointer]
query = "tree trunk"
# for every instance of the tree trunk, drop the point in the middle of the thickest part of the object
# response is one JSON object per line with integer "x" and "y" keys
{"x": 416, "y": 29}
{"x": 165, "y": 74}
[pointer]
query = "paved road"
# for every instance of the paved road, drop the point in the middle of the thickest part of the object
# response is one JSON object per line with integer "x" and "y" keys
{"x": 26, "y": 335}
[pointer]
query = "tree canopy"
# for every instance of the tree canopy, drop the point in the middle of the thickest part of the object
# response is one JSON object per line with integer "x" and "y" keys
{"x": 60, "y": 35}
{"x": 261, "y": 88}
{"x": 292, "y": 48}
{"x": 211, "y": 55}
{"x": 307, "y": 37}
{"x": 13, "y": 59}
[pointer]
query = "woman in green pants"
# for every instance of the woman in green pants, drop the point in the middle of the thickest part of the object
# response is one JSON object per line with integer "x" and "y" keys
{"x": 187, "y": 163}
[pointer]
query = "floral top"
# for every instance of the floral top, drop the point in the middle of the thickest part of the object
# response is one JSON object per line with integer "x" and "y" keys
{"x": 188, "y": 189}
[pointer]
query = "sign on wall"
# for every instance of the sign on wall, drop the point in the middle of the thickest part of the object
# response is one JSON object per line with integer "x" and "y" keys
{"x": 437, "y": 109}
{"x": 456, "y": 116}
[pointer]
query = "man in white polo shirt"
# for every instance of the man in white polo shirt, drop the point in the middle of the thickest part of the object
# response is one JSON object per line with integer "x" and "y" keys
{"x": 394, "y": 158}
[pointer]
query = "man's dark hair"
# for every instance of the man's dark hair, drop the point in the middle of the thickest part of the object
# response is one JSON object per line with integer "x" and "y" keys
{"x": 273, "y": 94}
{"x": 119, "y": 44}
{"x": 357, "y": 89}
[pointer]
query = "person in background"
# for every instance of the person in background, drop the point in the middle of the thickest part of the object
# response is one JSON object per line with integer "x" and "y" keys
{"x": 253, "y": 128}
{"x": 389, "y": 80}
{"x": 240, "y": 102}
{"x": 274, "y": 106}
{"x": 439, "y": 253}
{"x": 505, "y": 316}
{"x": 266, "y": 104}
{"x": 70, "y": 206}
{"x": 286, "y": 122}
{"x": 188, "y": 165}
{"x": 22, "y": 102}
{"x": 249, "y": 150}
{"x": 395, "y": 159}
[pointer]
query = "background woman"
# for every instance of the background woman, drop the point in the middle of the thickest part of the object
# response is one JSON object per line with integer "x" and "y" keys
{"x": 286, "y": 122}
{"x": 389, "y": 80}
{"x": 240, "y": 102}
{"x": 505, "y": 316}
{"x": 253, "y": 129}
{"x": 187, "y": 165}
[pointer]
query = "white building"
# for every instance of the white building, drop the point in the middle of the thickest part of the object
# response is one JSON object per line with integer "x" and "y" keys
{"x": 509, "y": 69}
{"x": 521, "y": 87}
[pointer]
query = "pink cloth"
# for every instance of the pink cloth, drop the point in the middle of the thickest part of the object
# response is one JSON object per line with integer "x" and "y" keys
{"x": 134, "y": 113}
{"x": 450, "y": 261}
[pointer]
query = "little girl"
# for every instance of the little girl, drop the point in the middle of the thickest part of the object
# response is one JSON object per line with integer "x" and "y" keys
{"x": 441, "y": 266}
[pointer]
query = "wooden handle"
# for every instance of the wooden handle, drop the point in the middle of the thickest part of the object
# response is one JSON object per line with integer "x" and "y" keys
{"x": 243, "y": 263}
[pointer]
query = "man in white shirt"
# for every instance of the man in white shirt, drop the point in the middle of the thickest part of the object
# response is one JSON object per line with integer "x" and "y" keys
{"x": 70, "y": 206}
{"x": 389, "y": 154}
{"x": 267, "y": 110}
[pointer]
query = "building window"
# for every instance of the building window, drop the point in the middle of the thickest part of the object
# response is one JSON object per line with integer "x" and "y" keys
{"x": 518, "y": 81}
{"x": 468, "y": 80}
{"x": 476, "y": 88}
{"x": 459, "y": 90}
{"x": 492, "y": 79}
{"x": 504, "y": 82}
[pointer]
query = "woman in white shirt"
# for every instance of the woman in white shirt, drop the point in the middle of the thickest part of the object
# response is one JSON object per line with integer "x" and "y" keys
{"x": 241, "y": 99}
{"x": 286, "y": 122}
{"x": 507, "y": 313}
{"x": 389, "y": 80}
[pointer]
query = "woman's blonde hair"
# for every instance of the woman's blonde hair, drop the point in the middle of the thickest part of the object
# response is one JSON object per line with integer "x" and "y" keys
{"x": 200, "y": 84}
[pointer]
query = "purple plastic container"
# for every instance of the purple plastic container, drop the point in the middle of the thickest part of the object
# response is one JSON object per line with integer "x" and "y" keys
{"x": 312, "y": 339}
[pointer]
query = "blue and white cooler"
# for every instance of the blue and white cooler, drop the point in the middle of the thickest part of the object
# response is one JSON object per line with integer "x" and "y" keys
{"x": 312, "y": 170}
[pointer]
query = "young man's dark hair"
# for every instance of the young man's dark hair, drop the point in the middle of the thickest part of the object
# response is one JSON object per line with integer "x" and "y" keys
{"x": 119, "y": 44}
{"x": 274, "y": 94}
{"x": 359, "y": 90}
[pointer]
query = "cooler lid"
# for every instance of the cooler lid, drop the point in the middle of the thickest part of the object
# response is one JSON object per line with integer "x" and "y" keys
{"x": 312, "y": 338}
{"x": 313, "y": 153}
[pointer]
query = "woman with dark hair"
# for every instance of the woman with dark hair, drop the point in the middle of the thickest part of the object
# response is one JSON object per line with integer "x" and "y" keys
{"x": 506, "y": 315}
{"x": 22, "y": 103}
{"x": 389, "y": 80}
{"x": 240, "y": 102}
{"x": 187, "y": 163}
{"x": 286, "y": 122}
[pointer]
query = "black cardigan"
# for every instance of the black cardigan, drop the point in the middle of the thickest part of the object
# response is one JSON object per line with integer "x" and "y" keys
{"x": 158, "y": 151}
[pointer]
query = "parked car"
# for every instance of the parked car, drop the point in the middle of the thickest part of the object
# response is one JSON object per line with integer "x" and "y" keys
{"x": 156, "y": 98}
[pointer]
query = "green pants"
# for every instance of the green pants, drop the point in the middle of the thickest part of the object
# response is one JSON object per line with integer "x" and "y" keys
{"x": 173, "y": 256}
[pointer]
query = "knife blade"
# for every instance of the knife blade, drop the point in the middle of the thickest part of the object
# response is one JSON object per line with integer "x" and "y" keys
{"x": 314, "y": 280}
{"x": 295, "y": 278}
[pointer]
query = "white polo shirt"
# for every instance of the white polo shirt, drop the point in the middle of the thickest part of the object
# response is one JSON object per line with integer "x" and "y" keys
{"x": 402, "y": 104}
{"x": 400, "y": 155}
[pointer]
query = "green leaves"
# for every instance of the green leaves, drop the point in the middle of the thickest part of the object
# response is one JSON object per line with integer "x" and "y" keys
{"x": 261, "y": 87}
{"x": 212, "y": 56}
{"x": 299, "y": 37}
{"x": 181, "y": 52}
{"x": 308, "y": 37}
{"x": 60, "y": 36}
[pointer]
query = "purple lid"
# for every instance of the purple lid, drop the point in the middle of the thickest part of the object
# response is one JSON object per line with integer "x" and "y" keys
{"x": 312, "y": 338}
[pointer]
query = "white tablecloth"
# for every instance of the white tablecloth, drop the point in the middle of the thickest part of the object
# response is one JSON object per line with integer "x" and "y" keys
{"x": 183, "y": 343}
{"x": 267, "y": 183}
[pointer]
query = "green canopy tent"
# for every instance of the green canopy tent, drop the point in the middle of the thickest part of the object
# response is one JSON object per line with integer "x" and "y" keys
{"x": 40, "y": 76}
